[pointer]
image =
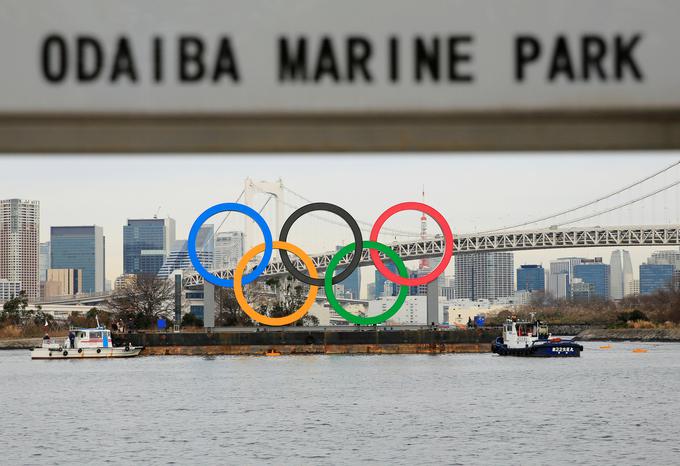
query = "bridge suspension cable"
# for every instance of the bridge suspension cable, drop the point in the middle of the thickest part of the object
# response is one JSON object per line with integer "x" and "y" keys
{"x": 224, "y": 220}
{"x": 625, "y": 204}
{"x": 366, "y": 225}
{"x": 589, "y": 203}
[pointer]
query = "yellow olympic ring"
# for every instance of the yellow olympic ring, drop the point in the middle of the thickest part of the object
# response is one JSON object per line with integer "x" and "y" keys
{"x": 252, "y": 313}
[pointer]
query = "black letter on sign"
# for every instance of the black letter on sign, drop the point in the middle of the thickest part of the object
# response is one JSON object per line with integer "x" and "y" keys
{"x": 58, "y": 44}
{"x": 394, "y": 59}
{"x": 226, "y": 62}
{"x": 157, "y": 59}
{"x": 455, "y": 57}
{"x": 89, "y": 46}
{"x": 593, "y": 51}
{"x": 527, "y": 50}
{"x": 624, "y": 57}
{"x": 326, "y": 63}
{"x": 561, "y": 60}
{"x": 359, "y": 51}
{"x": 292, "y": 63}
{"x": 191, "y": 53}
{"x": 427, "y": 58}
{"x": 123, "y": 62}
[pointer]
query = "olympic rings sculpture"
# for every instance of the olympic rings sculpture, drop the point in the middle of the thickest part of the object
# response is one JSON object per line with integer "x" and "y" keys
{"x": 375, "y": 248}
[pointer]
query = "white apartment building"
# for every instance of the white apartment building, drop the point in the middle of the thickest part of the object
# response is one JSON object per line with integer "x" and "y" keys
{"x": 484, "y": 275}
{"x": 19, "y": 244}
{"x": 228, "y": 249}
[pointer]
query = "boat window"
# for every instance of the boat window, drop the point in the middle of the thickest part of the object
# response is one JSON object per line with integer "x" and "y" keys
{"x": 95, "y": 335}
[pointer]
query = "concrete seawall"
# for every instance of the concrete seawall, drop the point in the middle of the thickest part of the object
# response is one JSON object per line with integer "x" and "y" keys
{"x": 629, "y": 334}
{"x": 427, "y": 341}
{"x": 20, "y": 343}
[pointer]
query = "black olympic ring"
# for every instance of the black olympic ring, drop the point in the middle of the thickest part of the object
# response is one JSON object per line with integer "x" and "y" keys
{"x": 340, "y": 212}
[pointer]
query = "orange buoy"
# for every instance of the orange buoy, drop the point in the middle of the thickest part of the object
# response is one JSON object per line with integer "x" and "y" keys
{"x": 272, "y": 353}
{"x": 639, "y": 350}
{"x": 606, "y": 347}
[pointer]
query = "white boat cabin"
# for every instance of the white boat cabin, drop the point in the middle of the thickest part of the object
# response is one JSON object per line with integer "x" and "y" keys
{"x": 523, "y": 334}
{"x": 88, "y": 338}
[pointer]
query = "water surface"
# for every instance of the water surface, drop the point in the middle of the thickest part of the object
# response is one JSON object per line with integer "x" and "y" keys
{"x": 609, "y": 406}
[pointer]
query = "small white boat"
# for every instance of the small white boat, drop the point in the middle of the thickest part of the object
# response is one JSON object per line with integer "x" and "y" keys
{"x": 84, "y": 343}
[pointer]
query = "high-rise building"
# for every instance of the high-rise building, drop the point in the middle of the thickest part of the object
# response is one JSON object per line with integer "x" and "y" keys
{"x": 9, "y": 290}
{"x": 634, "y": 288}
{"x": 178, "y": 259}
{"x": 531, "y": 278}
{"x": 581, "y": 291}
{"x": 146, "y": 244}
{"x": 370, "y": 291}
{"x": 205, "y": 241}
{"x": 380, "y": 281}
{"x": 654, "y": 277}
{"x": 80, "y": 247}
{"x": 484, "y": 275}
{"x": 665, "y": 257}
{"x": 595, "y": 273}
{"x": 44, "y": 260}
{"x": 229, "y": 248}
{"x": 559, "y": 285}
{"x": 353, "y": 283}
{"x": 621, "y": 270}
{"x": 421, "y": 290}
{"x": 19, "y": 244}
{"x": 63, "y": 282}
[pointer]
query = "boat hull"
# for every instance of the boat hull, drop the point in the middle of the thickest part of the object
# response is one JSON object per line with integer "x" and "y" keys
{"x": 561, "y": 349}
{"x": 86, "y": 353}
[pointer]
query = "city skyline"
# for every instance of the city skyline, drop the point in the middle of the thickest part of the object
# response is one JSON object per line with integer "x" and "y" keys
{"x": 526, "y": 176}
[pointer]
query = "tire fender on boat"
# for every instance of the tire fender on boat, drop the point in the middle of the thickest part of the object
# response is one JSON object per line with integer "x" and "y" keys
{"x": 80, "y": 350}
{"x": 99, "y": 350}
{"x": 65, "y": 353}
{"x": 127, "y": 347}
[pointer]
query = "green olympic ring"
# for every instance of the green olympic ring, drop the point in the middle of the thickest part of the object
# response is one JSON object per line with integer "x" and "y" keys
{"x": 333, "y": 301}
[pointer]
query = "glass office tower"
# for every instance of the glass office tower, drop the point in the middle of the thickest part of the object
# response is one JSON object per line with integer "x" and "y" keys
{"x": 530, "y": 278}
{"x": 80, "y": 247}
{"x": 596, "y": 274}
{"x": 146, "y": 244}
{"x": 655, "y": 276}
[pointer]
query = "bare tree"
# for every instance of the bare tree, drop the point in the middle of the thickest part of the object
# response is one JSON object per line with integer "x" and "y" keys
{"x": 143, "y": 299}
{"x": 290, "y": 296}
{"x": 229, "y": 312}
{"x": 274, "y": 298}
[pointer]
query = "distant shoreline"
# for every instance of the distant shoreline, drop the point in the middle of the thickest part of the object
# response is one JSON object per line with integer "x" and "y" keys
{"x": 474, "y": 344}
{"x": 630, "y": 334}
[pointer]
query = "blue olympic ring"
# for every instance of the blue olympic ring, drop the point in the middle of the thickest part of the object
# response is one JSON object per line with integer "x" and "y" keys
{"x": 233, "y": 207}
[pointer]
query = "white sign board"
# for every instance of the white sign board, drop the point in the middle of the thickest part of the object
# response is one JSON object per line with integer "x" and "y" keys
{"x": 334, "y": 56}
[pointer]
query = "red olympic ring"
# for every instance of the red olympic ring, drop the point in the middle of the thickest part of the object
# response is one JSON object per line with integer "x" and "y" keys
{"x": 448, "y": 244}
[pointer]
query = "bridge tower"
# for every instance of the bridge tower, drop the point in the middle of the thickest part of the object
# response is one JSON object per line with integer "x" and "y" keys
{"x": 273, "y": 188}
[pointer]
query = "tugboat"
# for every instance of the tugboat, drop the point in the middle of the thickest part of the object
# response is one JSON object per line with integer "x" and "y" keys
{"x": 84, "y": 343}
{"x": 531, "y": 339}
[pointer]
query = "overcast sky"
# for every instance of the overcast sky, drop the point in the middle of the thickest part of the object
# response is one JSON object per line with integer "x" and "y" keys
{"x": 474, "y": 192}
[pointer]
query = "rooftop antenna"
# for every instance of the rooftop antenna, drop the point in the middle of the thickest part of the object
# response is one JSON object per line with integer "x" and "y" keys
{"x": 157, "y": 211}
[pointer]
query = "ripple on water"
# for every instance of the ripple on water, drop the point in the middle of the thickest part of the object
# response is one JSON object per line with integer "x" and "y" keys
{"x": 606, "y": 407}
